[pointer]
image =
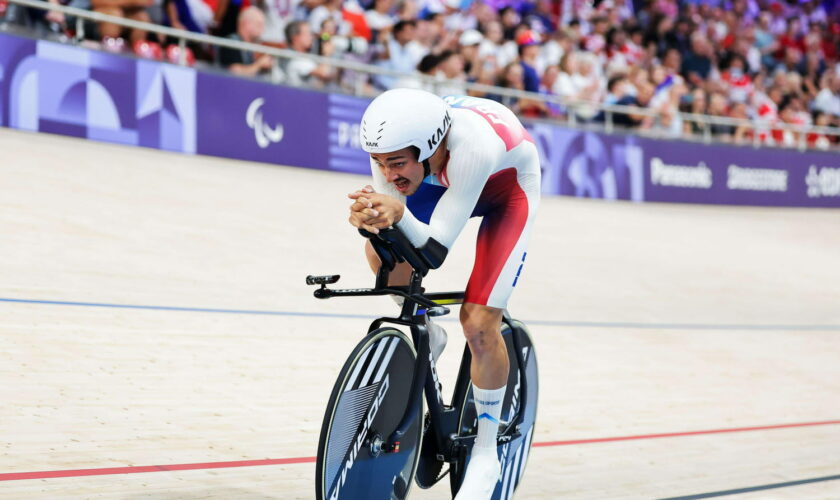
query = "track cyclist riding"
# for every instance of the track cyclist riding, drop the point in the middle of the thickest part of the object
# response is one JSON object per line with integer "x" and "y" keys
{"x": 436, "y": 163}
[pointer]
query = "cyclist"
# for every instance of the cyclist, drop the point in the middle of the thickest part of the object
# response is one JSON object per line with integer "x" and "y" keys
{"x": 435, "y": 163}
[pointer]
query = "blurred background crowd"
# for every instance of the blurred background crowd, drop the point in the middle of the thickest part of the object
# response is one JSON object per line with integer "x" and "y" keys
{"x": 769, "y": 61}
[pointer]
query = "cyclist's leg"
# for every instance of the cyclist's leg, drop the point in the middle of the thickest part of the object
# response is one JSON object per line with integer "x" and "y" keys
{"x": 499, "y": 258}
{"x": 482, "y": 329}
{"x": 500, "y": 255}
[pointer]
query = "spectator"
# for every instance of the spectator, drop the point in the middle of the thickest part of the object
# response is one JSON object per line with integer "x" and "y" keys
{"x": 698, "y": 65}
{"x": 619, "y": 92}
{"x": 244, "y": 62}
{"x": 277, "y": 13}
{"x": 529, "y": 51}
{"x": 737, "y": 82}
{"x": 493, "y": 45}
{"x": 302, "y": 71}
{"x": 742, "y": 132}
{"x": 429, "y": 31}
{"x": 644, "y": 95}
{"x": 542, "y": 18}
{"x": 510, "y": 21}
{"x": 827, "y": 99}
{"x": 468, "y": 46}
{"x": 189, "y": 15}
{"x": 820, "y": 140}
{"x": 744, "y": 47}
{"x": 697, "y": 106}
{"x": 407, "y": 10}
{"x": 41, "y": 21}
{"x": 226, "y": 16}
{"x": 680, "y": 37}
{"x": 786, "y": 137}
{"x": 658, "y": 37}
{"x": 718, "y": 107}
{"x": 458, "y": 19}
{"x": 549, "y": 78}
{"x": 128, "y": 9}
{"x": 330, "y": 9}
{"x": 486, "y": 76}
{"x": 765, "y": 42}
{"x": 379, "y": 18}
{"x": 428, "y": 66}
{"x": 325, "y": 35}
{"x": 570, "y": 84}
{"x": 450, "y": 72}
{"x": 511, "y": 77}
{"x": 553, "y": 49}
{"x": 672, "y": 61}
{"x": 791, "y": 40}
{"x": 403, "y": 53}
{"x": 596, "y": 41}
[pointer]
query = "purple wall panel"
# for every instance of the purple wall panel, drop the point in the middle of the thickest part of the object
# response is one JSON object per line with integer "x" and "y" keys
{"x": 252, "y": 120}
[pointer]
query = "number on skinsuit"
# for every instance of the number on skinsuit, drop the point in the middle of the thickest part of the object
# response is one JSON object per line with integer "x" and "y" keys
{"x": 499, "y": 117}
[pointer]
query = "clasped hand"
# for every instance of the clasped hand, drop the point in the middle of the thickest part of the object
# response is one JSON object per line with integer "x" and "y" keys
{"x": 373, "y": 211}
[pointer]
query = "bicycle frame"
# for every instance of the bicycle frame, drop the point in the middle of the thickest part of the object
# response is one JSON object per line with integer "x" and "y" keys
{"x": 444, "y": 418}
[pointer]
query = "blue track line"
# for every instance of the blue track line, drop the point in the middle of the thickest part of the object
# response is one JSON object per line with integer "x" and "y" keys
{"x": 187, "y": 309}
{"x": 576, "y": 324}
{"x": 751, "y": 489}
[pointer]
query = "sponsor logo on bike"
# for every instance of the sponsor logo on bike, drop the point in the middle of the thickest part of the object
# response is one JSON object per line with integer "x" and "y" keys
{"x": 360, "y": 437}
{"x": 756, "y": 179}
{"x": 823, "y": 182}
{"x": 263, "y": 133}
{"x": 684, "y": 176}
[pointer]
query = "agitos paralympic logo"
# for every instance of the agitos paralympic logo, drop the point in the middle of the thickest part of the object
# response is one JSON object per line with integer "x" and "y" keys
{"x": 264, "y": 134}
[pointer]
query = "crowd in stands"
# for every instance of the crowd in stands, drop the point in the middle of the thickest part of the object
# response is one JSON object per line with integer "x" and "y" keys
{"x": 769, "y": 61}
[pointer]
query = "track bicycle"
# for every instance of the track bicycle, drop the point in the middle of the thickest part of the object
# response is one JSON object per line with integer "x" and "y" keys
{"x": 373, "y": 440}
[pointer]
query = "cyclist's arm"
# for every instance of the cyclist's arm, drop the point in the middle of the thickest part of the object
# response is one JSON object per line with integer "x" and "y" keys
{"x": 467, "y": 171}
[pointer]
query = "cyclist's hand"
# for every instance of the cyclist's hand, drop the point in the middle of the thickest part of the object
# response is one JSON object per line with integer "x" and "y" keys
{"x": 389, "y": 210}
{"x": 365, "y": 206}
{"x": 362, "y": 211}
{"x": 361, "y": 192}
{"x": 359, "y": 220}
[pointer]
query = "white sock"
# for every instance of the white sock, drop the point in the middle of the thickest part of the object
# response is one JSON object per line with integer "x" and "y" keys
{"x": 488, "y": 407}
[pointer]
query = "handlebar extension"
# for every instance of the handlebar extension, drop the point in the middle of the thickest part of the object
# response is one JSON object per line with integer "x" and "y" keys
{"x": 392, "y": 246}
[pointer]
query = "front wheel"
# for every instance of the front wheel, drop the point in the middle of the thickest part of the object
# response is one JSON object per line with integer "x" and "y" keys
{"x": 366, "y": 406}
{"x": 513, "y": 455}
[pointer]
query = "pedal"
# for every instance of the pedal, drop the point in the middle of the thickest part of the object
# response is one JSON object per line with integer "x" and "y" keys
{"x": 328, "y": 279}
{"x": 428, "y": 466}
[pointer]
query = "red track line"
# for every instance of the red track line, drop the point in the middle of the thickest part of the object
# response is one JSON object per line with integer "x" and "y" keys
{"x": 16, "y": 476}
{"x": 679, "y": 434}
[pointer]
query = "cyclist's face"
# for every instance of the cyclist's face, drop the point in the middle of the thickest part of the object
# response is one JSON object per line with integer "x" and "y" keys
{"x": 401, "y": 169}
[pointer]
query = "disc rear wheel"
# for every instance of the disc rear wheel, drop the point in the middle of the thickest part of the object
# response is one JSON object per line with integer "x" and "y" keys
{"x": 367, "y": 403}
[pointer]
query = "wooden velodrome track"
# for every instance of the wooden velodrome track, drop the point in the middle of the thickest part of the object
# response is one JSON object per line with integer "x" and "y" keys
{"x": 652, "y": 322}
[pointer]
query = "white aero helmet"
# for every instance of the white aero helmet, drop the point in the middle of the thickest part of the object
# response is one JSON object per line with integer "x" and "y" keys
{"x": 400, "y": 118}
